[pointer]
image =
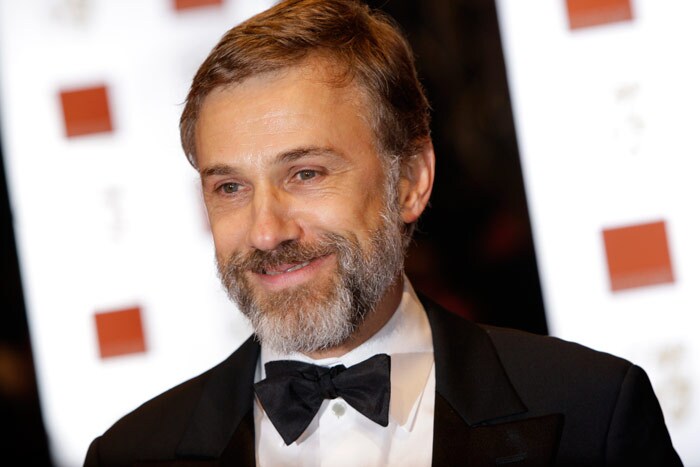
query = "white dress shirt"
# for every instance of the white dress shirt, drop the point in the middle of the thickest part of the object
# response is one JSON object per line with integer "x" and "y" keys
{"x": 339, "y": 435}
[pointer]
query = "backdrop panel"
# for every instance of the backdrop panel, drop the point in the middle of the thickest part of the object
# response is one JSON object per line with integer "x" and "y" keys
{"x": 605, "y": 96}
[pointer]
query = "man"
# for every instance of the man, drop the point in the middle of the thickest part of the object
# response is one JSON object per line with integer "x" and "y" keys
{"x": 310, "y": 133}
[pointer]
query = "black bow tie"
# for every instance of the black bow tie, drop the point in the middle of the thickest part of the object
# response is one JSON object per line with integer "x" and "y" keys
{"x": 293, "y": 392}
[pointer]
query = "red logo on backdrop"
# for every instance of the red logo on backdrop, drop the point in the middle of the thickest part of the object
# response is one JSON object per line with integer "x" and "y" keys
{"x": 188, "y": 4}
{"x": 86, "y": 111}
{"x": 120, "y": 332}
{"x": 587, "y": 13}
{"x": 638, "y": 256}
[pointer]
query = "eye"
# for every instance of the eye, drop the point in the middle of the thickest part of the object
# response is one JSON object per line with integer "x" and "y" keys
{"x": 307, "y": 174}
{"x": 229, "y": 188}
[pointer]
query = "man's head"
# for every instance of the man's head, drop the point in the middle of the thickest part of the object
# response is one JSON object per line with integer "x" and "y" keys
{"x": 309, "y": 130}
{"x": 366, "y": 47}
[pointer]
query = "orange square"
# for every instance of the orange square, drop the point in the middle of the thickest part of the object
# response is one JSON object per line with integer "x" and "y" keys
{"x": 189, "y": 4}
{"x": 587, "y": 13}
{"x": 638, "y": 256}
{"x": 120, "y": 332}
{"x": 86, "y": 111}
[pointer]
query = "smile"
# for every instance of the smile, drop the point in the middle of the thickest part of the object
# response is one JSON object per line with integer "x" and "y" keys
{"x": 291, "y": 269}
{"x": 282, "y": 276}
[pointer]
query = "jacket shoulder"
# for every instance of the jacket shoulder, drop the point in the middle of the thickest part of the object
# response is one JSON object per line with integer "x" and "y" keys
{"x": 608, "y": 403}
{"x": 523, "y": 352}
{"x": 154, "y": 430}
{"x": 554, "y": 375}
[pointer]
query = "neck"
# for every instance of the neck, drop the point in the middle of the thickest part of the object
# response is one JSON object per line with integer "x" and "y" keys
{"x": 373, "y": 322}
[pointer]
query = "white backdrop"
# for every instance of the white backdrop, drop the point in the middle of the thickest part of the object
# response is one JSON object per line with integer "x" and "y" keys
{"x": 606, "y": 101}
{"x": 110, "y": 220}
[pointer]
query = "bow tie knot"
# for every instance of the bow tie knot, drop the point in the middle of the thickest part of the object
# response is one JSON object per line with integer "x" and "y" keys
{"x": 293, "y": 392}
{"x": 326, "y": 387}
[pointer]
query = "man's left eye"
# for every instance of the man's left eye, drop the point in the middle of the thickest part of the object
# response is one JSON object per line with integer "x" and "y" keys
{"x": 306, "y": 174}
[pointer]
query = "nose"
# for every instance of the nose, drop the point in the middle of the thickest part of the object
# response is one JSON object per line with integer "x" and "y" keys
{"x": 272, "y": 222}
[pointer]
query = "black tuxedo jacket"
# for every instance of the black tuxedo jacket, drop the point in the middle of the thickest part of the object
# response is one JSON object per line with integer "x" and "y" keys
{"x": 503, "y": 397}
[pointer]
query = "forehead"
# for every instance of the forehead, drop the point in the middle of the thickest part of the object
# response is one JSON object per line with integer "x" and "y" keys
{"x": 310, "y": 104}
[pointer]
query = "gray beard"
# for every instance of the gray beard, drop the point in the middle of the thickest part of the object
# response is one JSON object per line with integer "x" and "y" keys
{"x": 325, "y": 313}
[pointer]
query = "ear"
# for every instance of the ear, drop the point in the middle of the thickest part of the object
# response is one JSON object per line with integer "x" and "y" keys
{"x": 416, "y": 184}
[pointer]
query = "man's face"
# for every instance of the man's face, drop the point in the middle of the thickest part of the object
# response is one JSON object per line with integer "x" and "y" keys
{"x": 304, "y": 215}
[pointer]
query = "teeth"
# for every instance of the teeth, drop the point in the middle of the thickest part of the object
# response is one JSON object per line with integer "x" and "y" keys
{"x": 298, "y": 266}
{"x": 293, "y": 268}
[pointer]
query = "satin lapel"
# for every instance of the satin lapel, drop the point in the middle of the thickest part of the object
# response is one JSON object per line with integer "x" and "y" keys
{"x": 223, "y": 416}
{"x": 479, "y": 417}
{"x": 241, "y": 449}
{"x": 470, "y": 383}
{"x": 468, "y": 372}
{"x": 531, "y": 442}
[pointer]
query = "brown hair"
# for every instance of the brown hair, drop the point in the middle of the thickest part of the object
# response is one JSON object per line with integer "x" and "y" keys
{"x": 368, "y": 44}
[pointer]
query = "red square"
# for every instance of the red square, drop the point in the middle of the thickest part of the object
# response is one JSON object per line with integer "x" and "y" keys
{"x": 189, "y": 4}
{"x": 120, "y": 332}
{"x": 86, "y": 111}
{"x": 638, "y": 256}
{"x": 587, "y": 13}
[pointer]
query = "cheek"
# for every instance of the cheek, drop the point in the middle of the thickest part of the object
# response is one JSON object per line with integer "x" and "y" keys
{"x": 358, "y": 213}
{"x": 226, "y": 236}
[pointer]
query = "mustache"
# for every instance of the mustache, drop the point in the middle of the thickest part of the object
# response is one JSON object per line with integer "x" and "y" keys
{"x": 290, "y": 251}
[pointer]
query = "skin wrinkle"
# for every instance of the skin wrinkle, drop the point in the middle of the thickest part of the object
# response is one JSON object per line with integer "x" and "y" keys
{"x": 322, "y": 322}
{"x": 364, "y": 277}
{"x": 287, "y": 156}
{"x": 348, "y": 217}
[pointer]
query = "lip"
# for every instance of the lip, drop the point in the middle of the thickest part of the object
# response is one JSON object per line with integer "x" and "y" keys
{"x": 292, "y": 275}
{"x": 287, "y": 268}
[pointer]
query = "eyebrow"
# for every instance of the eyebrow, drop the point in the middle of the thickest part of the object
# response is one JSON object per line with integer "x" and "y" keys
{"x": 309, "y": 151}
{"x": 283, "y": 157}
{"x": 218, "y": 169}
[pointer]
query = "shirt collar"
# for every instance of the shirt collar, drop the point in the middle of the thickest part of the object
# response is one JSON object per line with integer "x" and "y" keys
{"x": 406, "y": 338}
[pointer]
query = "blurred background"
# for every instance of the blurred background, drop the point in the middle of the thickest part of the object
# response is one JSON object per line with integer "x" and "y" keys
{"x": 563, "y": 203}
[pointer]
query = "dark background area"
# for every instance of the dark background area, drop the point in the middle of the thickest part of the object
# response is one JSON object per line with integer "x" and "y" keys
{"x": 473, "y": 252}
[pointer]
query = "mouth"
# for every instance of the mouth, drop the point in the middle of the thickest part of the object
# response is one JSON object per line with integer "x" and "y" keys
{"x": 284, "y": 268}
{"x": 291, "y": 274}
